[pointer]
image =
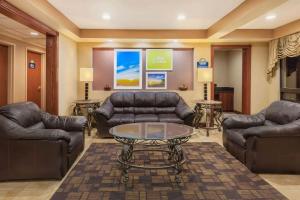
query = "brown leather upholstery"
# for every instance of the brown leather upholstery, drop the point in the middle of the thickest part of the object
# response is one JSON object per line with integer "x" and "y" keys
{"x": 268, "y": 142}
{"x": 131, "y": 107}
{"x": 37, "y": 145}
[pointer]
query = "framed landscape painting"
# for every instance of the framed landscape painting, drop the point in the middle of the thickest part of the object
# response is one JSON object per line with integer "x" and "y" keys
{"x": 156, "y": 80}
{"x": 128, "y": 69}
{"x": 159, "y": 59}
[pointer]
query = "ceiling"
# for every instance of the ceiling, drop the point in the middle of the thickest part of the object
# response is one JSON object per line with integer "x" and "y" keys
{"x": 13, "y": 29}
{"x": 145, "y": 14}
{"x": 285, "y": 13}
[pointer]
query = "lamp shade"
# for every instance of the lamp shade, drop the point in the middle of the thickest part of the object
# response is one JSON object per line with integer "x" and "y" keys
{"x": 205, "y": 75}
{"x": 86, "y": 74}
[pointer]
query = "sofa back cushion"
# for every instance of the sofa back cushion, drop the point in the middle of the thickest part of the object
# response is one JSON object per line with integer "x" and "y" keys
{"x": 122, "y": 99}
{"x": 167, "y": 99}
{"x": 25, "y": 114}
{"x": 283, "y": 112}
{"x": 144, "y": 102}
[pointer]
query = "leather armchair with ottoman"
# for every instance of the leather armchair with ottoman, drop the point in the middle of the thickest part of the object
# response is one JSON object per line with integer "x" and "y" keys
{"x": 37, "y": 145}
{"x": 268, "y": 142}
{"x": 133, "y": 107}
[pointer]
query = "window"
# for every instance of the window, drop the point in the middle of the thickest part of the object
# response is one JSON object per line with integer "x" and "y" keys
{"x": 290, "y": 79}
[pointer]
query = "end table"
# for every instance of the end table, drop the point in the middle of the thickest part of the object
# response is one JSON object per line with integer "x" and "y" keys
{"x": 89, "y": 106}
{"x": 213, "y": 112}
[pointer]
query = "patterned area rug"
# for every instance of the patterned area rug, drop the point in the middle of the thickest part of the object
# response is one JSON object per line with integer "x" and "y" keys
{"x": 209, "y": 173}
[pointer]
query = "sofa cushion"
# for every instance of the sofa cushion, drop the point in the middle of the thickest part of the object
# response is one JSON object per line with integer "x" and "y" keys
{"x": 170, "y": 118}
{"x": 39, "y": 125}
{"x": 165, "y": 110}
{"x": 283, "y": 112}
{"x": 236, "y": 136}
{"x": 25, "y": 114}
{"x": 166, "y": 99}
{"x": 270, "y": 123}
{"x": 144, "y": 99}
{"x": 144, "y": 110}
{"x": 117, "y": 119}
{"x": 122, "y": 99}
{"x": 76, "y": 140}
{"x": 146, "y": 118}
{"x": 124, "y": 110}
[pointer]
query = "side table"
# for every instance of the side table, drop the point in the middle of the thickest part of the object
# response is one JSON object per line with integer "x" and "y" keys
{"x": 89, "y": 106}
{"x": 212, "y": 111}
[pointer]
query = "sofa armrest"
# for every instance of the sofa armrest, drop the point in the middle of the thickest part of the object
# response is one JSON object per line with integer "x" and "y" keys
{"x": 183, "y": 110}
{"x": 287, "y": 130}
{"x": 244, "y": 121}
{"x": 42, "y": 134}
{"x": 106, "y": 109}
{"x": 73, "y": 123}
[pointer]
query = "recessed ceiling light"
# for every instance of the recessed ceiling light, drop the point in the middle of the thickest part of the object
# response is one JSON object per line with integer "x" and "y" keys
{"x": 270, "y": 17}
{"x": 34, "y": 33}
{"x": 181, "y": 17}
{"x": 106, "y": 16}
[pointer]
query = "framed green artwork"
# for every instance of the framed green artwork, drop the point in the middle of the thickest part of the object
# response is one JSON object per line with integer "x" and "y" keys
{"x": 159, "y": 59}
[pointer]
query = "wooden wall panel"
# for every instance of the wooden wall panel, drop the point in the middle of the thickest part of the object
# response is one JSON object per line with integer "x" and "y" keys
{"x": 182, "y": 73}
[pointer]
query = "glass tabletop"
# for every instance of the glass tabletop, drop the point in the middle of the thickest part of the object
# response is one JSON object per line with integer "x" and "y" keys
{"x": 152, "y": 131}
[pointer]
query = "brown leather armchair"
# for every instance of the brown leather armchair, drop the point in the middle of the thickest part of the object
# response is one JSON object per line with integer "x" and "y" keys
{"x": 268, "y": 142}
{"x": 37, "y": 145}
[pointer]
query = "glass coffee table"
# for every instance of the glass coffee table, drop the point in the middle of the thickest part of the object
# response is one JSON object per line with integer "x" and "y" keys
{"x": 164, "y": 137}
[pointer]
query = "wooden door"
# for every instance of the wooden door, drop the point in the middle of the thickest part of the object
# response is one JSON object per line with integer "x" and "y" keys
{"x": 3, "y": 74}
{"x": 34, "y": 79}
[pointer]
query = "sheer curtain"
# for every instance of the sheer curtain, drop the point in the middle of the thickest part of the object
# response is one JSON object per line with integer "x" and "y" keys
{"x": 288, "y": 46}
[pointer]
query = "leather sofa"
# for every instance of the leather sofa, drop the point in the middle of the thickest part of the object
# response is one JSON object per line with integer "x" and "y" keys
{"x": 133, "y": 107}
{"x": 268, "y": 142}
{"x": 37, "y": 145}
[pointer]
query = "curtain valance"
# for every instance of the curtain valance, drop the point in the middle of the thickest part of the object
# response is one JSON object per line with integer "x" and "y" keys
{"x": 288, "y": 46}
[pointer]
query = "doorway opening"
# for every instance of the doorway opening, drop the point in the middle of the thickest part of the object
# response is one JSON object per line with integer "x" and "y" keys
{"x": 51, "y": 53}
{"x": 35, "y": 78}
{"x": 232, "y": 77}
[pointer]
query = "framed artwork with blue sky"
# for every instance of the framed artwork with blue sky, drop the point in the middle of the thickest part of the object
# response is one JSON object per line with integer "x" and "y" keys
{"x": 128, "y": 69}
{"x": 156, "y": 80}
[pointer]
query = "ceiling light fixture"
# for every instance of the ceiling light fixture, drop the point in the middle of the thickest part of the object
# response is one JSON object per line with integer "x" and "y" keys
{"x": 181, "y": 17}
{"x": 270, "y": 17}
{"x": 34, "y": 33}
{"x": 106, "y": 16}
{"x": 175, "y": 40}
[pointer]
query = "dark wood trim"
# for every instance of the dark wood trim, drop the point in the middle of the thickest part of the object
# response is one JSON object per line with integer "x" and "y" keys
{"x": 52, "y": 74}
{"x": 246, "y": 85}
{"x": 20, "y": 16}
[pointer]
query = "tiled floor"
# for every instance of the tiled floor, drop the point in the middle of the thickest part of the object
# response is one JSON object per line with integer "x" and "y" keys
{"x": 289, "y": 185}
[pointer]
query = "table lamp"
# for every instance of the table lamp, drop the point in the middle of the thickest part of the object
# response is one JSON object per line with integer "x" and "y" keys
{"x": 86, "y": 75}
{"x": 205, "y": 75}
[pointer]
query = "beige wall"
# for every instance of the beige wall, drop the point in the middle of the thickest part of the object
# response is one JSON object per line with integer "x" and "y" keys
{"x": 67, "y": 74}
{"x": 221, "y": 75}
{"x": 85, "y": 60}
{"x": 228, "y": 73}
{"x": 260, "y": 87}
{"x": 235, "y": 69}
{"x": 18, "y": 68}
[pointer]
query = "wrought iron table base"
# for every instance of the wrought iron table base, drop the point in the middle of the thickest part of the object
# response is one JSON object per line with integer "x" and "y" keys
{"x": 175, "y": 155}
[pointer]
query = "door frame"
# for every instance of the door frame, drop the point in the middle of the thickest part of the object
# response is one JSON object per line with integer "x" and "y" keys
{"x": 20, "y": 16}
{"x": 43, "y": 74}
{"x": 246, "y": 73}
{"x": 11, "y": 67}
